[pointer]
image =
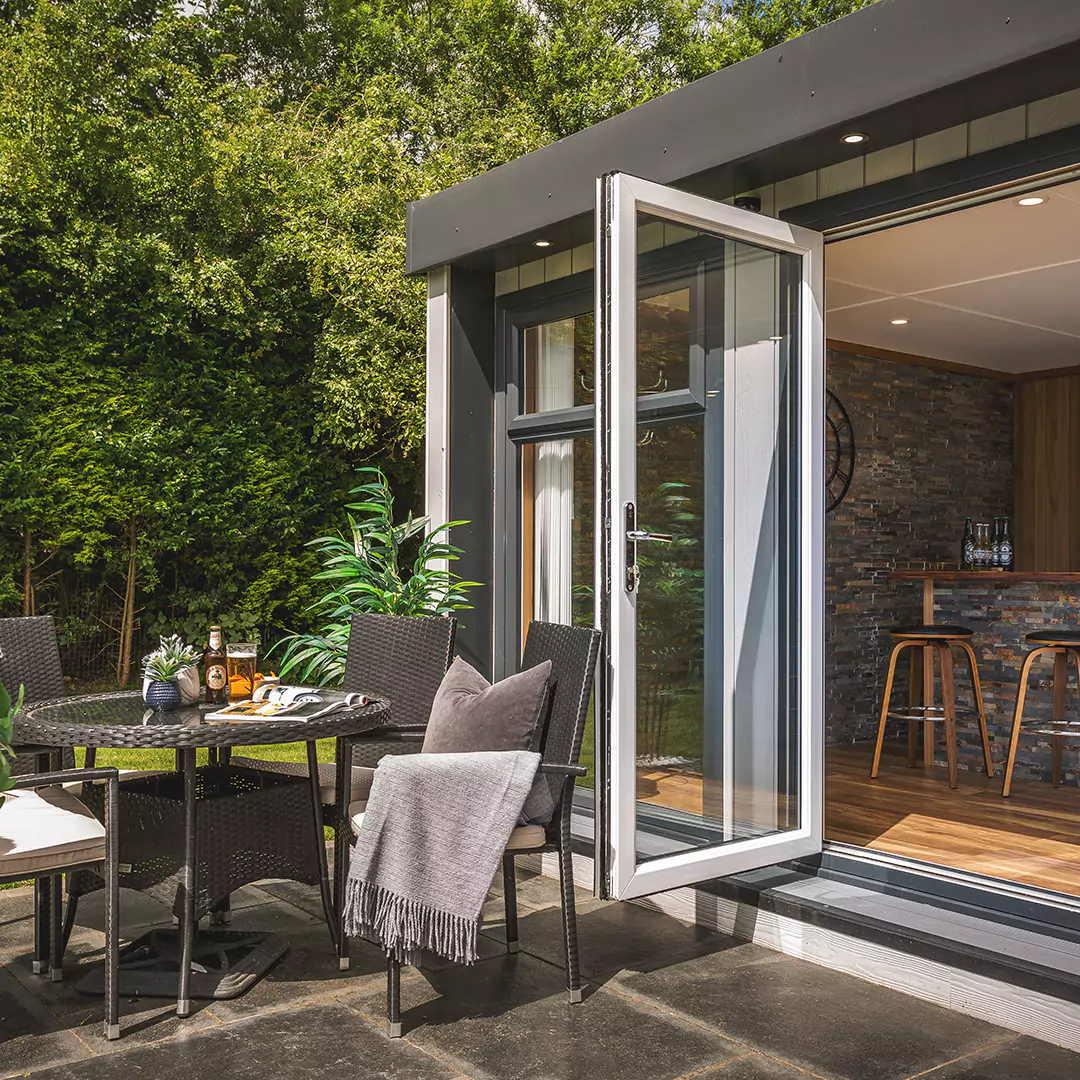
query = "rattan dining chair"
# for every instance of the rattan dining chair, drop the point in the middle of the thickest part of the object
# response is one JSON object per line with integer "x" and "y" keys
{"x": 573, "y": 652}
{"x": 30, "y": 658}
{"x": 401, "y": 658}
{"x": 45, "y": 833}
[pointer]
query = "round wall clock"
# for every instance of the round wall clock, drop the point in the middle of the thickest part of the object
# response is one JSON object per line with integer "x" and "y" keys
{"x": 839, "y": 451}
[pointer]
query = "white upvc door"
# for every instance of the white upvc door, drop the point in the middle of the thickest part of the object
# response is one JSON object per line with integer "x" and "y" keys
{"x": 710, "y": 572}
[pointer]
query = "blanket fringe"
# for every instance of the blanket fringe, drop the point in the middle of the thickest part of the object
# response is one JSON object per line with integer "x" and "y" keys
{"x": 406, "y": 927}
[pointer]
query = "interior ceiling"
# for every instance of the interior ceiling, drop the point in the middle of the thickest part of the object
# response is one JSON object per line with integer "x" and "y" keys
{"x": 994, "y": 286}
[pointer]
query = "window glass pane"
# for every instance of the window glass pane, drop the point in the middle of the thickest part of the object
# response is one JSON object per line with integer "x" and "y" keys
{"x": 557, "y": 542}
{"x": 559, "y": 364}
{"x": 663, "y": 342}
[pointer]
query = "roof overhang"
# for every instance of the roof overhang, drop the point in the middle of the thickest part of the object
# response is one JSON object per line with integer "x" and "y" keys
{"x": 896, "y": 70}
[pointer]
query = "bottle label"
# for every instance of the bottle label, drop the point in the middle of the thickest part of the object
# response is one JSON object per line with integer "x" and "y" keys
{"x": 215, "y": 640}
{"x": 1006, "y": 553}
{"x": 215, "y": 676}
{"x": 969, "y": 552}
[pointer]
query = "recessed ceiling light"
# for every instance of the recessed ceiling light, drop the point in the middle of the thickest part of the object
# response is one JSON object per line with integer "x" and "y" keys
{"x": 1031, "y": 200}
{"x": 854, "y": 138}
{"x": 899, "y": 322}
{"x": 542, "y": 243}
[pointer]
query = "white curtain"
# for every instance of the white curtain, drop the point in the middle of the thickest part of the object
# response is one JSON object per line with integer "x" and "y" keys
{"x": 554, "y": 478}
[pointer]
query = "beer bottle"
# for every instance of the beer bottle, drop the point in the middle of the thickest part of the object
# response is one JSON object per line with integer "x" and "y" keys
{"x": 967, "y": 547}
{"x": 1006, "y": 544}
{"x": 214, "y": 668}
{"x": 995, "y": 548}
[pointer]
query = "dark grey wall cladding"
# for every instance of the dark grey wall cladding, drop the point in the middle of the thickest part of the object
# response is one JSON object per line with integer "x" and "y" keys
{"x": 933, "y": 448}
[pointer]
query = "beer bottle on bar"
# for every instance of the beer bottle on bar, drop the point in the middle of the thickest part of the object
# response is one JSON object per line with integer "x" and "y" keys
{"x": 1006, "y": 544}
{"x": 967, "y": 547}
{"x": 995, "y": 546}
{"x": 214, "y": 668}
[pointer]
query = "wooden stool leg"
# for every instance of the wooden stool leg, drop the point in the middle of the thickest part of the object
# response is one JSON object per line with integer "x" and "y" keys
{"x": 980, "y": 705}
{"x": 1057, "y": 742}
{"x": 915, "y": 698}
{"x": 1014, "y": 735}
{"x": 928, "y": 728}
{"x": 948, "y": 698}
{"x": 885, "y": 706}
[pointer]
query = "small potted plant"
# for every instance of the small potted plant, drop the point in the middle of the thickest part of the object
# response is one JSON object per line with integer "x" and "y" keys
{"x": 171, "y": 675}
{"x": 7, "y": 715}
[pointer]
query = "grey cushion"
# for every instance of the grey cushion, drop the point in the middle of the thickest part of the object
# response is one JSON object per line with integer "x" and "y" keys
{"x": 470, "y": 714}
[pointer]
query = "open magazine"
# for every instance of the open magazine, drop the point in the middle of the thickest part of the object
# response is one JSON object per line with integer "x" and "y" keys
{"x": 288, "y": 703}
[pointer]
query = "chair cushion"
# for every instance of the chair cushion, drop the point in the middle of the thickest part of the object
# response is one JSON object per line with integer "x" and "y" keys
{"x": 47, "y": 829}
{"x": 934, "y": 630}
{"x": 361, "y": 775}
{"x": 470, "y": 714}
{"x": 1054, "y": 637}
{"x": 523, "y": 838}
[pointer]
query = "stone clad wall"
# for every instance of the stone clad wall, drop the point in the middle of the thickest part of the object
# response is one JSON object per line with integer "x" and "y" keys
{"x": 933, "y": 447}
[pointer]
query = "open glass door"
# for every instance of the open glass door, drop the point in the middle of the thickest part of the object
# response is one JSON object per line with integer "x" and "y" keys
{"x": 710, "y": 424}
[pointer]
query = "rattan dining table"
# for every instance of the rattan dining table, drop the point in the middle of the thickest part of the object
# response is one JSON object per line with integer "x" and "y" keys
{"x": 206, "y": 831}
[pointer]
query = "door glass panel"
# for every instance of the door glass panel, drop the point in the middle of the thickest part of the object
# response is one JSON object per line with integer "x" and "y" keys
{"x": 717, "y": 725}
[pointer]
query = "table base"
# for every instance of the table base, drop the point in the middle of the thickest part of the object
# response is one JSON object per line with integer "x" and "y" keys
{"x": 225, "y": 964}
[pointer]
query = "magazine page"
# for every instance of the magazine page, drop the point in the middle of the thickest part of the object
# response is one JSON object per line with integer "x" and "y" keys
{"x": 288, "y": 703}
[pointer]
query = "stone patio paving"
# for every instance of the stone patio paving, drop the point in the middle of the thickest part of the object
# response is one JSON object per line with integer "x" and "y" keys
{"x": 665, "y": 1001}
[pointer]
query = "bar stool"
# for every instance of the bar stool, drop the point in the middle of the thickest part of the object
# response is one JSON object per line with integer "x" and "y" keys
{"x": 940, "y": 639}
{"x": 1062, "y": 644}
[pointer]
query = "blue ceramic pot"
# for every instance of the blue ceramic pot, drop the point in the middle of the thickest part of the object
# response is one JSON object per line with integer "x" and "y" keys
{"x": 164, "y": 696}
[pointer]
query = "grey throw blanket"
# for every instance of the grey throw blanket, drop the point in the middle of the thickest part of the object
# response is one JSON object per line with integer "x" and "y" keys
{"x": 433, "y": 834}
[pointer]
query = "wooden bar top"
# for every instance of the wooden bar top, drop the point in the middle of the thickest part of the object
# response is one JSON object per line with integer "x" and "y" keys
{"x": 987, "y": 577}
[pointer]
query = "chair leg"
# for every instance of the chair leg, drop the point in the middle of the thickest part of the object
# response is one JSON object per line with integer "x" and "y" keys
{"x": 393, "y": 998}
{"x": 42, "y": 909}
{"x": 56, "y": 920}
{"x": 914, "y": 699}
{"x": 948, "y": 697}
{"x": 569, "y": 912}
{"x": 980, "y": 705}
{"x": 112, "y": 912}
{"x": 883, "y": 719}
{"x": 69, "y": 920}
{"x": 510, "y": 902}
{"x": 1014, "y": 735}
{"x": 1057, "y": 742}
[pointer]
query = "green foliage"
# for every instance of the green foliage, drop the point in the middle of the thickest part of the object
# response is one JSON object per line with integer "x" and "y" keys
{"x": 372, "y": 572}
{"x": 8, "y": 711}
{"x": 170, "y": 658}
{"x": 204, "y": 319}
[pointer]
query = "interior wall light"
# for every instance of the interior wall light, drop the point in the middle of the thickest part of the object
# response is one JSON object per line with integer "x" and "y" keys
{"x": 1031, "y": 200}
{"x": 853, "y": 138}
{"x": 541, "y": 243}
{"x": 899, "y": 322}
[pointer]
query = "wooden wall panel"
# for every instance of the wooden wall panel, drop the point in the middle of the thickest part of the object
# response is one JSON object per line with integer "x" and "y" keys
{"x": 1047, "y": 474}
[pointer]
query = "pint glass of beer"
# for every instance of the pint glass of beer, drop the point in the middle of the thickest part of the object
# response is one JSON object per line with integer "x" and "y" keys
{"x": 240, "y": 666}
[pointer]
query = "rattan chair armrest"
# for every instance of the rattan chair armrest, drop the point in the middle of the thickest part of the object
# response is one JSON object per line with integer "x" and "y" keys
{"x": 66, "y": 776}
{"x": 563, "y": 770}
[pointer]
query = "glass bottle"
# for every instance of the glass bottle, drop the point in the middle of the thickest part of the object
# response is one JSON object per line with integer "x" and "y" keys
{"x": 982, "y": 545}
{"x": 967, "y": 547}
{"x": 1006, "y": 544}
{"x": 214, "y": 668}
{"x": 995, "y": 544}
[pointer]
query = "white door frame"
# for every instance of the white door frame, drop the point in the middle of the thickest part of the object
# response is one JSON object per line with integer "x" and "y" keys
{"x": 622, "y": 197}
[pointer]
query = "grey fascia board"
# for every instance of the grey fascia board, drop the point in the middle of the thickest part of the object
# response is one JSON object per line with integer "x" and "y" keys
{"x": 882, "y": 56}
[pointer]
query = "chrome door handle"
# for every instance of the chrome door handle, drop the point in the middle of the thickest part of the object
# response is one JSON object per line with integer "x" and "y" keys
{"x": 638, "y": 535}
{"x": 633, "y": 535}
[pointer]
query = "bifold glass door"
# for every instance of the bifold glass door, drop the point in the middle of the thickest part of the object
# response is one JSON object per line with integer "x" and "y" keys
{"x": 710, "y": 388}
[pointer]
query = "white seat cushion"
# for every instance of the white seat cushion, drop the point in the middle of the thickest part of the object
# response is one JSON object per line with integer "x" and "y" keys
{"x": 361, "y": 775}
{"x": 47, "y": 829}
{"x": 522, "y": 838}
